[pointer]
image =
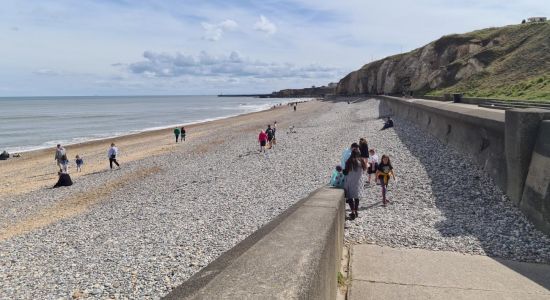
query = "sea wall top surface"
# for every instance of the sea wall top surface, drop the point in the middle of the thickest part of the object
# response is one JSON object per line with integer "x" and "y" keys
{"x": 296, "y": 256}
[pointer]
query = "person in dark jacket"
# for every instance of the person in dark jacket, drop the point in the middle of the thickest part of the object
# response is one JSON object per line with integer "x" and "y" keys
{"x": 64, "y": 180}
{"x": 364, "y": 149}
{"x": 177, "y": 134}
{"x": 354, "y": 168}
{"x": 182, "y": 134}
{"x": 270, "y": 136}
{"x": 388, "y": 124}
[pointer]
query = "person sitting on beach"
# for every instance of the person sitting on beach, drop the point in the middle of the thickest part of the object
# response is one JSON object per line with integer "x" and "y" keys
{"x": 177, "y": 133}
{"x": 354, "y": 168}
{"x": 182, "y": 134}
{"x": 63, "y": 180}
{"x": 4, "y": 155}
{"x": 112, "y": 154}
{"x": 262, "y": 138}
{"x": 347, "y": 153}
{"x": 79, "y": 162}
{"x": 383, "y": 173}
{"x": 373, "y": 163}
{"x": 59, "y": 152}
{"x": 337, "y": 178}
{"x": 387, "y": 124}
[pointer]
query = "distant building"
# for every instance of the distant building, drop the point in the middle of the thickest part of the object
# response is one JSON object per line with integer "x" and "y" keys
{"x": 536, "y": 19}
{"x": 332, "y": 85}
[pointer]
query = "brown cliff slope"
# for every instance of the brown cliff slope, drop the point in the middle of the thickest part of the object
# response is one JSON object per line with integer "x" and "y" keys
{"x": 504, "y": 62}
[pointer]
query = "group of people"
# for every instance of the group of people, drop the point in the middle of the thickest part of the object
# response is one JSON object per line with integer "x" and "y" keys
{"x": 267, "y": 138}
{"x": 63, "y": 163}
{"x": 355, "y": 161}
{"x": 294, "y": 105}
{"x": 62, "y": 160}
{"x": 178, "y": 132}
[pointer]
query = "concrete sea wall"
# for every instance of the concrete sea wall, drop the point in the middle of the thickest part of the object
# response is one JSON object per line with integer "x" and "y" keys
{"x": 536, "y": 193}
{"x": 296, "y": 256}
{"x": 513, "y": 147}
{"x": 477, "y": 133}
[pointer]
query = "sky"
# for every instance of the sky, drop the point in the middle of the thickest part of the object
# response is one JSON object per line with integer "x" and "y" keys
{"x": 203, "y": 47}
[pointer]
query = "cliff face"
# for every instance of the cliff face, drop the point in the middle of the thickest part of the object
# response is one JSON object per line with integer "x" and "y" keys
{"x": 307, "y": 92}
{"x": 479, "y": 63}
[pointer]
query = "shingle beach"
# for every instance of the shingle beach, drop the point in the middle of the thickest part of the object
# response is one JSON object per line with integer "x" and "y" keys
{"x": 138, "y": 232}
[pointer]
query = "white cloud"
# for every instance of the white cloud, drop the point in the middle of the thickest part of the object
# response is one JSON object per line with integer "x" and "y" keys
{"x": 104, "y": 32}
{"x": 163, "y": 65}
{"x": 265, "y": 25}
{"x": 229, "y": 25}
{"x": 47, "y": 72}
{"x": 214, "y": 32}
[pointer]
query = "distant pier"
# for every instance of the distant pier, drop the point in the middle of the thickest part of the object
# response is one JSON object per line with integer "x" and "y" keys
{"x": 246, "y": 95}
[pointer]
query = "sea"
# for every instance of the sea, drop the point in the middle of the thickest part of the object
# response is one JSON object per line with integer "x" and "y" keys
{"x": 32, "y": 123}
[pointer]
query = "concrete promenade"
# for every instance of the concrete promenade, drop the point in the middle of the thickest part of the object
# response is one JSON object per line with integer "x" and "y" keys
{"x": 389, "y": 273}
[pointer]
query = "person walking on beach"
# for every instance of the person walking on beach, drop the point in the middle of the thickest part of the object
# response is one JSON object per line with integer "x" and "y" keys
{"x": 177, "y": 133}
{"x": 373, "y": 164}
{"x": 347, "y": 153}
{"x": 364, "y": 149}
{"x": 112, "y": 154}
{"x": 262, "y": 138}
{"x": 59, "y": 153}
{"x": 295, "y": 105}
{"x": 274, "y": 141}
{"x": 64, "y": 164}
{"x": 355, "y": 166}
{"x": 385, "y": 170}
{"x": 79, "y": 162}
{"x": 182, "y": 134}
{"x": 270, "y": 135}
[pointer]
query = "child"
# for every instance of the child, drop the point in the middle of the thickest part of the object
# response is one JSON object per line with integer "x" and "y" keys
{"x": 337, "y": 178}
{"x": 383, "y": 173}
{"x": 262, "y": 138}
{"x": 79, "y": 163}
{"x": 64, "y": 164}
{"x": 373, "y": 163}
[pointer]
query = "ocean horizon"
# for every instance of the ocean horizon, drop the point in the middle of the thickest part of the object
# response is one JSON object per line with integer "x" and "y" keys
{"x": 33, "y": 123}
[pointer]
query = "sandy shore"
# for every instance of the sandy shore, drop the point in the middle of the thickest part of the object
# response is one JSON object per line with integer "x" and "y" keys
{"x": 38, "y": 169}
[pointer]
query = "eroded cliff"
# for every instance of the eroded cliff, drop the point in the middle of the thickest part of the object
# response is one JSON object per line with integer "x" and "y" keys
{"x": 507, "y": 62}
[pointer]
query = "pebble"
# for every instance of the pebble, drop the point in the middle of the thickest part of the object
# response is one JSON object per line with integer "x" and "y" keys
{"x": 154, "y": 233}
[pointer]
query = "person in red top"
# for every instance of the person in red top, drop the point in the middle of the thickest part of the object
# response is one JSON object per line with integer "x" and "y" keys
{"x": 262, "y": 138}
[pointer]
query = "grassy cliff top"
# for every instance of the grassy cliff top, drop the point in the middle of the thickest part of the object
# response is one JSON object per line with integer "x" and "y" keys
{"x": 517, "y": 63}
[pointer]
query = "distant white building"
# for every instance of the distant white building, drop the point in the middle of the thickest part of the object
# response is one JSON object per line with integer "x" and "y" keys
{"x": 536, "y": 19}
